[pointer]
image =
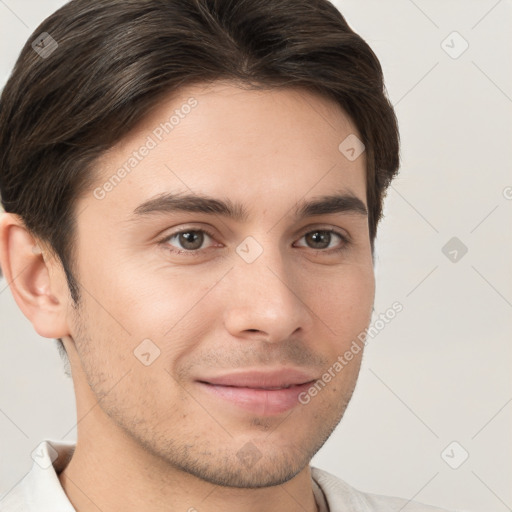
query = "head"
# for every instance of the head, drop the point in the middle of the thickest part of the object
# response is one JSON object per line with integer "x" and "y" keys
{"x": 259, "y": 127}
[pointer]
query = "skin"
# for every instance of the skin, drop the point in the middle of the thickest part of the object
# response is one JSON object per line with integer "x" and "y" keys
{"x": 148, "y": 437}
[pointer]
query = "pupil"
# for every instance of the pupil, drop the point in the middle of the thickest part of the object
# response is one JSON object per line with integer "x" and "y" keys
{"x": 191, "y": 240}
{"x": 321, "y": 237}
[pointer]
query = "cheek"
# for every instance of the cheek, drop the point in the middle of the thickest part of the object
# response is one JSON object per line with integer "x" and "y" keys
{"x": 163, "y": 312}
{"x": 344, "y": 302}
{"x": 165, "y": 302}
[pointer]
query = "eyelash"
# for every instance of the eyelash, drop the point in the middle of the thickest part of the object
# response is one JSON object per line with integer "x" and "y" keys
{"x": 164, "y": 242}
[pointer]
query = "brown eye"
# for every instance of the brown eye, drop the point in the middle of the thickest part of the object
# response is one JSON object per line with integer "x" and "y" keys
{"x": 322, "y": 239}
{"x": 319, "y": 239}
{"x": 189, "y": 240}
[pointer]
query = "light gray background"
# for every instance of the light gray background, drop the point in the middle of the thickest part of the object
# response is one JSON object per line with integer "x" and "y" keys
{"x": 440, "y": 371}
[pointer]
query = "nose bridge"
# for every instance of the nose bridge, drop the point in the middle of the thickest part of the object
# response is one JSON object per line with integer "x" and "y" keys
{"x": 264, "y": 263}
{"x": 265, "y": 298}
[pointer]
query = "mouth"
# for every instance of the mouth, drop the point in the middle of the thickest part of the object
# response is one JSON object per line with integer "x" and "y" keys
{"x": 264, "y": 394}
{"x": 268, "y": 388}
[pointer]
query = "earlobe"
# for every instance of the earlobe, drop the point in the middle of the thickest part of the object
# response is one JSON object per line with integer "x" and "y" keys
{"x": 35, "y": 280}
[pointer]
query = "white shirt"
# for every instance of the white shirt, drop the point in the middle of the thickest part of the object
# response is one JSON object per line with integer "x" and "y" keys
{"x": 41, "y": 491}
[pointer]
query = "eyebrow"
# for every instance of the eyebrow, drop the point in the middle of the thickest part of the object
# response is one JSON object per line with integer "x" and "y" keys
{"x": 171, "y": 203}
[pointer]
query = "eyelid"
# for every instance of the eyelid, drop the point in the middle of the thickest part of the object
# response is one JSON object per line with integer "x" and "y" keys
{"x": 325, "y": 227}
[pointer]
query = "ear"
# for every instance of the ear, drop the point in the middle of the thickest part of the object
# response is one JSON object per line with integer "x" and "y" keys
{"x": 37, "y": 282}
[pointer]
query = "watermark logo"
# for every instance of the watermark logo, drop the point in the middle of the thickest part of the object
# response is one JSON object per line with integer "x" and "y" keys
{"x": 249, "y": 455}
{"x": 351, "y": 147}
{"x": 39, "y": 456}
{"x": 147, "y": 352}
{"x": 249, "y": 249}
{"x": 455, "y": 455}
{"x": 454, "y": 45}
{"x": 454, "y": 249}
{"x": 44, "y": 45}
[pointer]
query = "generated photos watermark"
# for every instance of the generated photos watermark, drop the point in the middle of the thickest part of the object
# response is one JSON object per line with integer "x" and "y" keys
{"x": 152, "y": 141}
{"x": 343, "y": 360}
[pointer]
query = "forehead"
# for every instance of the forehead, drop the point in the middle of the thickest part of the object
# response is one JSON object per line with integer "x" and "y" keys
{"x": 220, "y": 139}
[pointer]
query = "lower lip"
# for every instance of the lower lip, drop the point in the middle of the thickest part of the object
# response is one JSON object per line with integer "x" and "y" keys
{"x": 265, "y": 402}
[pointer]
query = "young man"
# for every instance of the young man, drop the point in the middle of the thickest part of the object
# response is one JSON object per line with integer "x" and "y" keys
{"x": 192, "y": 190}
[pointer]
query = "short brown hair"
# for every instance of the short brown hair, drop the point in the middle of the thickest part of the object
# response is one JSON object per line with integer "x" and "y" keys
{"x": 113, "y": 61}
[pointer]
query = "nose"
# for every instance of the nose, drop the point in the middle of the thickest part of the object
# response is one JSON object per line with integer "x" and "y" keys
{"x": 266, "y": 300}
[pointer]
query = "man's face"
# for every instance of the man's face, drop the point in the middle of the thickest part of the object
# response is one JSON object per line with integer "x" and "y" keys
{"x": 264, "y": 292}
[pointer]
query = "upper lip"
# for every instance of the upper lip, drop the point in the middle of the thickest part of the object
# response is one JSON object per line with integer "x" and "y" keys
{"x": 278, "y": 377}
